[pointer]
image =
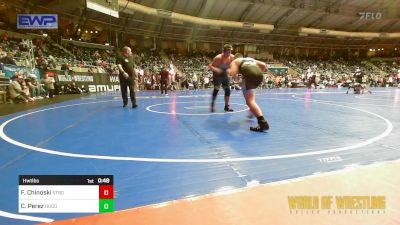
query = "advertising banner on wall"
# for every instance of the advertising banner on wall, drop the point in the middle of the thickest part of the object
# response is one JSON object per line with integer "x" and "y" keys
{"x": 37, "y": 21}
{"x": 94, "y": 82}
{"x": 9, "y": 70}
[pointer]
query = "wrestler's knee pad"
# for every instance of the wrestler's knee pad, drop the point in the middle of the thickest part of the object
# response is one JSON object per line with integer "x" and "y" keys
{"x": 227, "y": 92}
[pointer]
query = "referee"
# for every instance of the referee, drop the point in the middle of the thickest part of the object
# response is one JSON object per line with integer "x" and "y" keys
{"x": 127, "y": 75}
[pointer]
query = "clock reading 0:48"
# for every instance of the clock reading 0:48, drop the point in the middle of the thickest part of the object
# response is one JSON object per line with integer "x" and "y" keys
{"x": 103, "y": 180}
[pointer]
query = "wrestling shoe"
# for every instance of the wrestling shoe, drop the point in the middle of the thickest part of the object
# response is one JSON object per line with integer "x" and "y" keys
{"x": 227, "y": 109}
{"x": 262, "y": 126}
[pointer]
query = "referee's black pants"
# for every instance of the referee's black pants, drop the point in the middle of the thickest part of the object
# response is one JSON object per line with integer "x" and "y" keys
{"x": 164, "y": 86}
{"x": 124, "y": 91}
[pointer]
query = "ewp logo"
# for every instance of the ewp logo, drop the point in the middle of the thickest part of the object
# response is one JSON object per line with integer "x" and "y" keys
{"x": 37, "y": 21}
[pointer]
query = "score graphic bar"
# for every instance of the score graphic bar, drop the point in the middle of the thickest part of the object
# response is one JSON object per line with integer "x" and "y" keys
{"x": 66, "y": 193}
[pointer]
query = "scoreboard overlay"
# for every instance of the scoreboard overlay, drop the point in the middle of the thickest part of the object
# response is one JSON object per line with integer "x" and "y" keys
{"x": 66, "y": 194}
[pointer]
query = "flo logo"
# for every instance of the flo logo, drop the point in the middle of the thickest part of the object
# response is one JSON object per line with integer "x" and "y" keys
{"x": 370, "y": 15}
{"x": 37, "y": 21}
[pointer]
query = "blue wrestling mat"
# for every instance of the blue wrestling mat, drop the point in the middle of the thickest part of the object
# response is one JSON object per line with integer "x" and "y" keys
{"x": 173, "y": 147}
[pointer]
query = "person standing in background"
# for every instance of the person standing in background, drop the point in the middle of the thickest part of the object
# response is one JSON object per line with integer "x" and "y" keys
{"x": 164, "y": 79}
{"x": 48, "y": 85}
{"x": 127, "y": 76}
{"x": 194, "y": 80}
